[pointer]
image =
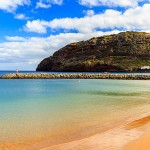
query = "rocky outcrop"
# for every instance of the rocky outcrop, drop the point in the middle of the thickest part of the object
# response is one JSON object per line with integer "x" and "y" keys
{"x": 77, "y": 76}
{"x": 126, "y": 51}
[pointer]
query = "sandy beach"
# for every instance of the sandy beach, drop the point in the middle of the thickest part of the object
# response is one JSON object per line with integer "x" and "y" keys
{"x": 68, "y": 115}
{"x": 142, "y": 143}
{"x": 133, "y": 136}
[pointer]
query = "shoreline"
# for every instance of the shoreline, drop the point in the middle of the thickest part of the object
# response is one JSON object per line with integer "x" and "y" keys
{"x": 125, "y": 136}
{"x": 128, "y": 137}
{"x": 115, "y": 138}
{"x": 133, "y": 135}
{"x": 141, "y": 143}
{"x": 76, "y": 76}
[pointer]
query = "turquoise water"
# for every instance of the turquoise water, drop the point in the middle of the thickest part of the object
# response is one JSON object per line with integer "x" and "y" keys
{"x": 54, "y": 111}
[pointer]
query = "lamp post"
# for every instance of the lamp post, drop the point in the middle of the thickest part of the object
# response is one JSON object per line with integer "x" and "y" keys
{"x": 16, "y": 71}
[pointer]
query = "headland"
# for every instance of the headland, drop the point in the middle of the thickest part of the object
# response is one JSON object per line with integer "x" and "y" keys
{"x": 123, "y": 52}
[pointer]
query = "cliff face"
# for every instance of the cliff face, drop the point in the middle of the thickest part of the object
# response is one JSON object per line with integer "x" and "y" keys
{"x": 126, "y": 51}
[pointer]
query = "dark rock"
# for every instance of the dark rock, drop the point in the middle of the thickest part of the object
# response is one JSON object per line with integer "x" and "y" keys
{"x": 77, "y": 76}
{"x": 126, "y": 51}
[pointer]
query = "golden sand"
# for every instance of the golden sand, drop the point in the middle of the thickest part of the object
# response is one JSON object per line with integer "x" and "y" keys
{"x": 139, "y": 122}
{"x": 133, "y": 136}
{"x": 142, "y": 143}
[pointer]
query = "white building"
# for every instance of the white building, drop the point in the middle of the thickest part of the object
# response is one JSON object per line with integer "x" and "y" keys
{"x": 145, "y": 67}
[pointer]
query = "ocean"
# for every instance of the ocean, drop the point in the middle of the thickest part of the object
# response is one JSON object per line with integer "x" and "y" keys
{"x": 40, "y": 113}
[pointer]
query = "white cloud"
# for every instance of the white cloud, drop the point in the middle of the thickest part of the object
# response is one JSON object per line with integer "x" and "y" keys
{"x": 58, "y": 2}
{"x": 111, "y": 3}
{"x": 12, "y": 5}
{"x": 89, "y": 12}
{"x": 20, "y": 17}
{"x": 47, "y": 3}
{"x": 35, "y": 26}
{"x": 131, "y": 19}
{"x": 18, "y": 51}
{"x": 42, "y": 5}
{"x": 15, "y": 38}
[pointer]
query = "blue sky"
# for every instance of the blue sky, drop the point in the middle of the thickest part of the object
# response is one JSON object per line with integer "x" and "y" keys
{"x": 31, "y": 30}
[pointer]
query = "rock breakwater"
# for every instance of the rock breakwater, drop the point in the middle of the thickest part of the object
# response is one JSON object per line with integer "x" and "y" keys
{"x": 77, "y": 76}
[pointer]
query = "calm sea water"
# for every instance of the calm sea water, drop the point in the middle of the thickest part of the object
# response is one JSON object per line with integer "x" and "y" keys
{"x": 35, "y": 72}
{"x": 37, "y": 113}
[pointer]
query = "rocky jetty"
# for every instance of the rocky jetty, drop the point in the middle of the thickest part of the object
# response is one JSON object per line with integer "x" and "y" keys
{"x": 126, "y": 51}
{"x": 77, "y": 76}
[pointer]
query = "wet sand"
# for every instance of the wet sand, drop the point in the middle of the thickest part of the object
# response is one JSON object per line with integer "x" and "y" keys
{"x": 143, "y": 142}
{"x": 133, "y": 136}
{"x": 91, "y": 107}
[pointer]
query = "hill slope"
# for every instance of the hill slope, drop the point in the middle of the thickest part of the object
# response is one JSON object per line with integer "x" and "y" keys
{"x": 126, "y": 51}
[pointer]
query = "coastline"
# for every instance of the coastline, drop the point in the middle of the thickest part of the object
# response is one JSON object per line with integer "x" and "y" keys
{"x": 76, "y": 76}
{"x": 106, "y": 139}
{"x": 134, "y": 135}
{"x": 142, "y": 143}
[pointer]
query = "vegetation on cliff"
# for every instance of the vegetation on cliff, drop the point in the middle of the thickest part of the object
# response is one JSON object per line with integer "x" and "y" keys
{"x": 126, "y": 51}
